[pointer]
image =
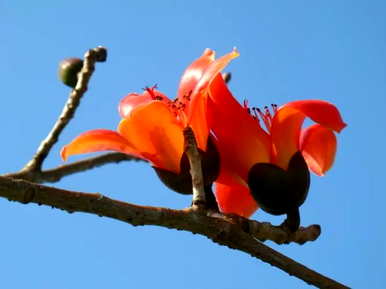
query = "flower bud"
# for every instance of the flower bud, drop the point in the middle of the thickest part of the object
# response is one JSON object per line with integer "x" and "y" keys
{"x": 68, "y": 71}
{"x": 227, "y": 76}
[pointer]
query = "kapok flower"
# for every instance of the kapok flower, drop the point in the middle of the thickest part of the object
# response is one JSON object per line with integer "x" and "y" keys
{"x": 243, "y": 144}
{"x": 152, "y": 124}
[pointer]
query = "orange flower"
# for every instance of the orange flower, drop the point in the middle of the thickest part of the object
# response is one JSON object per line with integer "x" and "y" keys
{"x": 243, "y": 143}
{"x": 152, "y": 125}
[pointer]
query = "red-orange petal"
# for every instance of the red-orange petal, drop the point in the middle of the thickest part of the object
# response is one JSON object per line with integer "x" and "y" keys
{"x": 196, "y": 110}
{"x": 287, "y": 122}
{"x": 132, "y": 100}
{"x": 240, "y": 139}
{"x": 199, "y": 122}
{"x": 155, "y": 133}
{"x": 193, "y": 74}
{"x": 97, "y": 140}
{"x": 322, "y": 112}
{"x": 233, "y": 198}
{"x": 212, "y": 70}
{"x": 318, "y": 146}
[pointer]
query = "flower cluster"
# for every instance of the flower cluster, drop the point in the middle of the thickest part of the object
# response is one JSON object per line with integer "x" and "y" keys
{"x": 255, "y": 157}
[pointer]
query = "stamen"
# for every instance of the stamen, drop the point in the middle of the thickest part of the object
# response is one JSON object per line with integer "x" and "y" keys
{"x": 151, "y": 91}
{"x": 274, "y": 108}
{"x": 267, "y": 112}
{"x": 177, "y": 107}
{"x": 265, "y": 115}
{"x": 255, "y": 113}
{"x": 246, "y": 106}
{"x": 187, "y": 96}
{"x": 268, "y": 117}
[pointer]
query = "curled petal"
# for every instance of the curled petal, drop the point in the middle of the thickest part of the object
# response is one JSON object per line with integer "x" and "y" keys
{"x": 196, "y": 110}
{"x": 132, "y": 100}
{"x": 287, "y": 122}
{"x": 233, "y": 198}
{"x": 318, "y": 146}
{"x": 285, "y": 133}
{"x": 155, "y": 133}
{"x": 193, "y": 74}
{"x": 212, "y": 70}
{"x": 322, "y": 112}
{"x": 97, "y": 140}
{"x": 240, "y": 139}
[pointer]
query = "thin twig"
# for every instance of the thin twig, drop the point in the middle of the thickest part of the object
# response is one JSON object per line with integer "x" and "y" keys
{"x": 219, "y": 229}
{"x": 198, "y": 200}
{"x": 90, "y": 57}
{"x": 56, "y": 174}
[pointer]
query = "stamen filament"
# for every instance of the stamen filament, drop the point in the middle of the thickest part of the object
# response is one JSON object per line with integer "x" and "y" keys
{"x": 265, "y": 115}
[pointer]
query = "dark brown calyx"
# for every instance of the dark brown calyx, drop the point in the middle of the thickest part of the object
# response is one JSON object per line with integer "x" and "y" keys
{"x": 281, "y": 191}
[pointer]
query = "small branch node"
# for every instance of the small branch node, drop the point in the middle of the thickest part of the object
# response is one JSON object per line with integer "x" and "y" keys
{"x": 100, "y": 53}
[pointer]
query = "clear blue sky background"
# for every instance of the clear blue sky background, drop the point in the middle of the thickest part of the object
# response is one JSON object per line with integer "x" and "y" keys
{"x": 332, "y": 50}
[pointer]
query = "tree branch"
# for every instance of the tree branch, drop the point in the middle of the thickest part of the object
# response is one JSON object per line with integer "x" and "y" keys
{"x": 56, "y": 174}
{"x": 261, "y": 230}
{"x": 220, "y": 229}
{"x": 90, "y": 58}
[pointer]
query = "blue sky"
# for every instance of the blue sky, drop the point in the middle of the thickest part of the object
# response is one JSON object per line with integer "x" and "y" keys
{"x": 290, "y": 50}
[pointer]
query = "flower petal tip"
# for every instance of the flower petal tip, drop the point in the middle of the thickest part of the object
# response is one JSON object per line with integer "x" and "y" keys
{"x": 341, "y": 127}
{"x": 235, "y": 51}
{"x": 63, "y": 153}
{"x": 210, "y": 53}
{"x": 316, "y": 169}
